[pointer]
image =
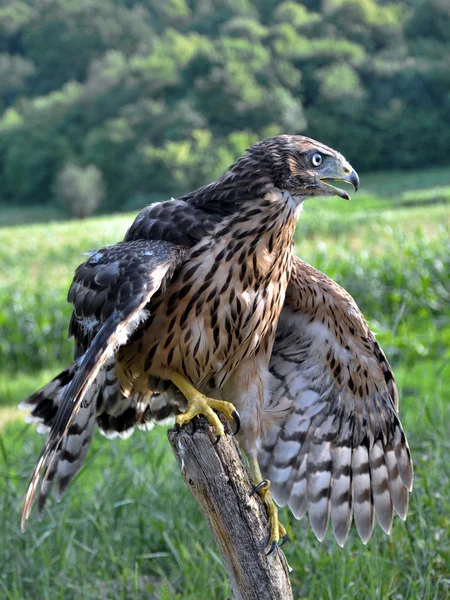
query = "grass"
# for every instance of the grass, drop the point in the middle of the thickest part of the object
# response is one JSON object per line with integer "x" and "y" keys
{"x": 12, "y": 215}
{"x": 127, "y": 527}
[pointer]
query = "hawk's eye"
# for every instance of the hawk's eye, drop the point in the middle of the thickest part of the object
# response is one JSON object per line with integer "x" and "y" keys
{"x": 317, "y": 159}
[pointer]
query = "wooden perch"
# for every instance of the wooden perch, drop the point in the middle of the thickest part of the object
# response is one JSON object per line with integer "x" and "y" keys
{"x": 219, "y": 482}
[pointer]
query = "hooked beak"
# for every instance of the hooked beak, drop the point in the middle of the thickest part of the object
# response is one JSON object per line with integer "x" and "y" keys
{"x": 351, "y": 176}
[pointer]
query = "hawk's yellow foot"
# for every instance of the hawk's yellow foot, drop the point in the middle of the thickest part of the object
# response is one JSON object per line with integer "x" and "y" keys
{"x": 277, "y": 530}
{"x": 199, "y": 404}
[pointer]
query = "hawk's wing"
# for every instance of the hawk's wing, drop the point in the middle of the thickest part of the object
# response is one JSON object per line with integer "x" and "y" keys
{"x": 109, "y": 292}
{"x": 104, "y": 405}
{"x": 341, "y": 447}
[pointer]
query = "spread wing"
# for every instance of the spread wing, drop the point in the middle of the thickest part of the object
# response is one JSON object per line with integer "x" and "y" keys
{"x": 109, "y": 292}
{"x": 341, "y": 447}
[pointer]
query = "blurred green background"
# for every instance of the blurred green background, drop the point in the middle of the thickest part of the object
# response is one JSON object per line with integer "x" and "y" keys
{"x": 129, "y": 101}
{"x": 108, "y": 105}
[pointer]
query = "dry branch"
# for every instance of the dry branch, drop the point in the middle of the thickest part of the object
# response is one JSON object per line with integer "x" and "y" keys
{"x": 219, "y": 482}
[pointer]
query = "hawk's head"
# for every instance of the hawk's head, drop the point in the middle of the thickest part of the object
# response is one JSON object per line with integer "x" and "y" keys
{"x": 291, "y": 163}
{"x": 303, "y": 167}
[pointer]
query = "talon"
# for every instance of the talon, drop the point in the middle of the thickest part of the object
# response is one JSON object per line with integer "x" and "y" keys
{"x": 284, "y": 540}
{"x": 217, "y": 440}
{"x": 199, "y": 404}
{"x": 237, "y": 420}
{"x": 277, "y": 531}
{"x": 262, "y": 484}
{"x": 272, "y": 547}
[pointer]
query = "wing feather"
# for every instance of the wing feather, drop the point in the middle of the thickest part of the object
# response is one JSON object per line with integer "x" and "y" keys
{"x": 110, "y": 292}
{"x": 340, "y": 450}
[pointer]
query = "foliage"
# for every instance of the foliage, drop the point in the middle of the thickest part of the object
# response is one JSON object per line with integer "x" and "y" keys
{"x": 155, "y": 94}
{"x": 79, "y": 189}
{"x": 127, "y": 523}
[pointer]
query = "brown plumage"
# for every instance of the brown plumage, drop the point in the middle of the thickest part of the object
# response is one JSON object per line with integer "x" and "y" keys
{"x": 207, "y": 287}
{"x": 341, "y": 446}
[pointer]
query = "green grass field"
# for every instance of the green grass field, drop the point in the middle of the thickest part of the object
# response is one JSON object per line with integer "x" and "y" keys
{"x": 127, "y": 527}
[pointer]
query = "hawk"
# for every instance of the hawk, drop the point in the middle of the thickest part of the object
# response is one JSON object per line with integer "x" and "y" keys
{"x": 204, "y": 307}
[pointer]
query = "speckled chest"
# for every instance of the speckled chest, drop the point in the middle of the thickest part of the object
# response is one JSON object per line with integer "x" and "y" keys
{"x": 222, "y": 306}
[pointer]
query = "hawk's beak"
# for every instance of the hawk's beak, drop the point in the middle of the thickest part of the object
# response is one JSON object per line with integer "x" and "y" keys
{"x": 351, "y": 176}
{"x": 353, "y": 179}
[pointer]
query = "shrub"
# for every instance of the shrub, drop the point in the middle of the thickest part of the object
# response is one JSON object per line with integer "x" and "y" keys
{"x": 80, "y": 189}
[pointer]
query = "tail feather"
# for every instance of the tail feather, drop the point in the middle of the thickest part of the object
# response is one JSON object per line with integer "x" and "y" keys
{"x": 44, "y": 403}
{"x": 63, "y": 459}
{"x": 104, "y": 405}
{"x": 70, "y": 456}
{"x": 75, "y": 397}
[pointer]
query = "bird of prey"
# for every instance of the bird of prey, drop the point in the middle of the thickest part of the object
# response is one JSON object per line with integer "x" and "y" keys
{"x": 203, "y": 307}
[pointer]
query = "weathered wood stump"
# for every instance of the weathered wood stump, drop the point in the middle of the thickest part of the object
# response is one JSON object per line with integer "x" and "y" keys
{"x": 219, "y": 482}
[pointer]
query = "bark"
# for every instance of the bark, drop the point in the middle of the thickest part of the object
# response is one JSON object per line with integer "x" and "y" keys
{"x": 219, "y": 482}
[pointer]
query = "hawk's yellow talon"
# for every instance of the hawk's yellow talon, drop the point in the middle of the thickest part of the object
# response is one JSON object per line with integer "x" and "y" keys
{"x": 199, "y": 404}
{"x": 277, "y": 531}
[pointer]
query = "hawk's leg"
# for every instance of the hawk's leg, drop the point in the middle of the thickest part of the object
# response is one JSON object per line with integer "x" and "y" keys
{"x": 262, "y": 488}
{"x": 199, "y": 404}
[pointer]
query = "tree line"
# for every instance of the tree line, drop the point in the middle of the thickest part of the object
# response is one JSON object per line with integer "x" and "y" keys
{"x": 140, "y": 100}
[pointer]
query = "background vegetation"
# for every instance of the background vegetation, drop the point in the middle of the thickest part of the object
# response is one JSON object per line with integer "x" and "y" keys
{"x": 162, "y": 96}
{"x": 127, "y": 527}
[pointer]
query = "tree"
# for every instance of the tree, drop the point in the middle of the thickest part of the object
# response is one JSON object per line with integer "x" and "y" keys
{"x": 129, "y": 85}
{"x": 79, "y": 189}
